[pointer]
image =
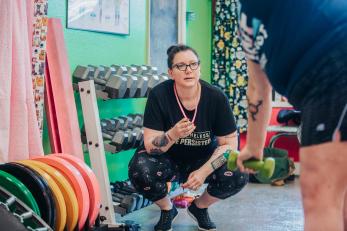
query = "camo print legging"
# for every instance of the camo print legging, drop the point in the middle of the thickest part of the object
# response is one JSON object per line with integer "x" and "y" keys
{"x": 150, "y": 173}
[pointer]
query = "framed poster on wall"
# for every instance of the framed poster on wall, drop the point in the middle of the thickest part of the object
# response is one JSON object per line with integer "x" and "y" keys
{"x": 110, "y": 16}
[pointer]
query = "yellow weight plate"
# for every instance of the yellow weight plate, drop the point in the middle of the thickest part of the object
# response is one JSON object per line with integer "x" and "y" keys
{"x": 67, "y": 191}
{"x": 57, "y": 194}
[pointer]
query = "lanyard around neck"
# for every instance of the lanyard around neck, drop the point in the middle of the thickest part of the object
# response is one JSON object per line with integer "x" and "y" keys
{"x": 181, "y": 107}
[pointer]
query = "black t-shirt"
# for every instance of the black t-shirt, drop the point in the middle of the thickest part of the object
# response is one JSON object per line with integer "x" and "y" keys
{"x": 214, "y": 118}
{"x": 288, "y": 37}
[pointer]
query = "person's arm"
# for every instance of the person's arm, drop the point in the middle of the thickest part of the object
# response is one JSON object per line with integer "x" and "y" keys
{"x": 259, "y": 113}
{"x": 228, "y": 142}
{"x": 197, "y": 178}
{"x": 158, "y": 142}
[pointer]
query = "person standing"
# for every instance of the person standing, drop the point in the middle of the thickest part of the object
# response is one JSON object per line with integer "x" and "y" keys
{"x": 299, "y": 48}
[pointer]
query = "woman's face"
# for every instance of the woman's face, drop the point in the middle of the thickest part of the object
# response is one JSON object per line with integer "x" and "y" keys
{"x": 183, "y": 75}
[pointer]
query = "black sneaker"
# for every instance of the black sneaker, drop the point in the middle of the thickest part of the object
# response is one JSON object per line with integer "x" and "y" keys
{"x": 201, "y": 217}
{"x": 166, "y": 219}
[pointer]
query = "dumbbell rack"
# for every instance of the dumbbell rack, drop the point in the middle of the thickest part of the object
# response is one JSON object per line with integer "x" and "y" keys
{"x": 96, "y": 150}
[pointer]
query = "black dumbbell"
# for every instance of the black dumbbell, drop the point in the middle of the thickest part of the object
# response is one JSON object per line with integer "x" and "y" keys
{"x": 81, "y": 73}
{"x": 109, "y": 127}
{"x": 140, "y": 69}
{"x": 120, "y": 140}
{"x": 107, "y": 135}
{"x": 131, "y": 139}
{"x": 126, "y": 201}
{"x": 139, "y": 136}
{"x": 151, "y": 69}
{"x": 108, "y": 124}
{"x": 139, "y": 197}
{"x": 137, "y": 119}
{"x": 102, "y": 75}
{"x": 131, "y": 86}
{"x": 128, "y": 121}
{"x": 131, "y": 70}
{"x": 119, "y": 123}
{"x": 125, "y": 186}
{"x": 93, "y": 71}
{"x": 120, "y": 69}
{"x": 153, "y": 80}
{"x": 142, "y": 85}
{"x": 116, "y": 86}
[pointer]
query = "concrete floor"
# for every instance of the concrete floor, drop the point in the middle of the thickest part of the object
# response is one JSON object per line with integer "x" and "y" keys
{"x": 257, "y": 207}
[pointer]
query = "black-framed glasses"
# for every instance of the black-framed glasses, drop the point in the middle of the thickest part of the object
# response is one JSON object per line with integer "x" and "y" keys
{"x": 183, "y": 67}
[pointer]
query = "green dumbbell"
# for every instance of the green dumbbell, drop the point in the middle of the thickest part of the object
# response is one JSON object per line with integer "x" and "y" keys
{"x": 265, "y": 167}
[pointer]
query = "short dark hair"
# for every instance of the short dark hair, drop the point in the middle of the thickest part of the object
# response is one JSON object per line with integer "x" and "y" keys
{"x": 174, "y": 49}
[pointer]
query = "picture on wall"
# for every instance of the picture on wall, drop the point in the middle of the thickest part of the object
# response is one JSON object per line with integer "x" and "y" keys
{"x": 111, "y": 16}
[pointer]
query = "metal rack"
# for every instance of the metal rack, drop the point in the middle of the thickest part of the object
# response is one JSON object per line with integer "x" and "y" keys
{"x": 96, "y": 150}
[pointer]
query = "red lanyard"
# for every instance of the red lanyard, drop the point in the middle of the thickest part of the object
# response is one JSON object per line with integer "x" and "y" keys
{"x": 181, "y": 107}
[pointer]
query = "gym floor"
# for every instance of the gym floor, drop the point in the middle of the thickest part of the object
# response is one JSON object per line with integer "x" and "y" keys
{"x": 257, "y": 207}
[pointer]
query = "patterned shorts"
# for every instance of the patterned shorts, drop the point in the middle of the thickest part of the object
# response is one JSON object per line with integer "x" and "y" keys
{"x": 150, "y": 173}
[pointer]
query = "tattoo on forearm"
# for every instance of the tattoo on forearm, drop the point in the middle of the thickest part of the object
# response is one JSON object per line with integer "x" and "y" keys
{"x": 254, "y": 108}
{"x": 218, "y": 162}
{"x": 156, "y": 151}
{"x": 160, "y": 141}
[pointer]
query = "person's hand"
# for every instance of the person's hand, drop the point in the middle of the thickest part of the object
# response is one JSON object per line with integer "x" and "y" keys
{"x": 246, "y": 154}
{"x": 195, "y": 180}
{"x": 182, "y": 128}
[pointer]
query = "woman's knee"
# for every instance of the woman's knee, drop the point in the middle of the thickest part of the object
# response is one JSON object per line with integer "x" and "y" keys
{"x": 225, "y": 183}
{"x": 149, "y": 175}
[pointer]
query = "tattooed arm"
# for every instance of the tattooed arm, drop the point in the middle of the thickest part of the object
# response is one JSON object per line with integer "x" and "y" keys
{"x": 228, "y": 142}
{"x": 158, "y": 142}
{"x": 259, "y": 108}
{"x": 197, "y": 177}
{"x": 259, "y": 113}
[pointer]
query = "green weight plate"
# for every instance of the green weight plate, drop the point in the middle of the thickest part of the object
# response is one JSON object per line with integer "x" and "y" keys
{"x": 37, "y": 186}
{"x": 18, "y": 189}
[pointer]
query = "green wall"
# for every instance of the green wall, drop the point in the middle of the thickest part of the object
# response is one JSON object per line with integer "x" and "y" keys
{"x": 199, "y": 33}
{"x": 86, "y": 47}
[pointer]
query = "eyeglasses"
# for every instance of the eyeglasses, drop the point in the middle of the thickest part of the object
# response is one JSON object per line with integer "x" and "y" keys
{"x": 183, "y": 66}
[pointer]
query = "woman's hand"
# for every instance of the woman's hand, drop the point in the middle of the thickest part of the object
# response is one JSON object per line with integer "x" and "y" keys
{"x": 246, "y": 154}
{"x": 195, "y": 180}
{"x": 182, "y": 128}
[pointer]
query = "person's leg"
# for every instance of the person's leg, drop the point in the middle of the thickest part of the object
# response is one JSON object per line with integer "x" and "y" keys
{"x": 164, "y": 203}
{"x": 323, "y": 180}
{"x": 323, "y": 176}
{"x": 149, "y": 174}
{"x": 321, "y": 95}
{"x": 222, "y": 184}
{"x": 345, "y": 212}
{"x": 205, "y": 200}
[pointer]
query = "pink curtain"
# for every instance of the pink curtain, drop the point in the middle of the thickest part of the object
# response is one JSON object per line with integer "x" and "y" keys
{"x": 19, "y": 133}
